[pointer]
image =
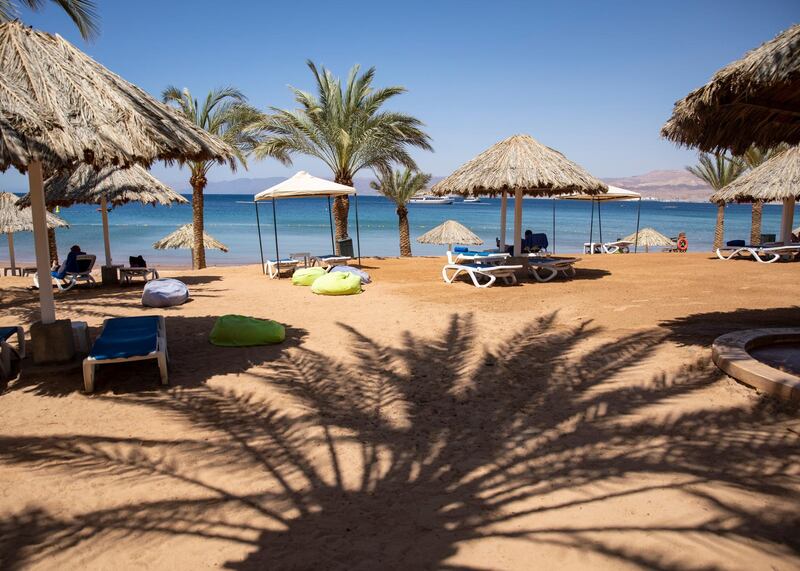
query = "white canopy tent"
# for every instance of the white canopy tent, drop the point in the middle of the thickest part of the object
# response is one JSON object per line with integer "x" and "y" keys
{"x": 614, "y": 193}
{"x": 303, "y": 185}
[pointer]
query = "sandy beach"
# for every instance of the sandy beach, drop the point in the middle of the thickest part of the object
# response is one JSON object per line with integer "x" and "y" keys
{"x": 569, "y": 425}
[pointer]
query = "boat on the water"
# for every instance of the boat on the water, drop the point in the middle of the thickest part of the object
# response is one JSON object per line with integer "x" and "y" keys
{"x": 472, "y": 200}
{"x": 430, "y": 199}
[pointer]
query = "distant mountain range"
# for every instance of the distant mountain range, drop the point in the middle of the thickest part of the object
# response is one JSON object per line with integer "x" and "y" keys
{"x": 658, "y": 185}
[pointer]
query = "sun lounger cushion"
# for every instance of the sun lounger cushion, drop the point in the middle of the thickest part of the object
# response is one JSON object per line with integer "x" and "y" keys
{"x": 7, "y": 332}
{"x": 307, "y": 276}
{"x": 338, "y": 283}
{"x": 736, "y": 243}
{"x": 124, "y": 337}
{"x": 164, "y": 293}
{"x": 243, "y": 331}
{"x": 365, "y": 279}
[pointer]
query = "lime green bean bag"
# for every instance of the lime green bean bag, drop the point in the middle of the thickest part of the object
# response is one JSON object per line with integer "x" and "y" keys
{"x": 242, "y": 331}
{"x": 337, "y": 283}
{"x": 307, "y": 276}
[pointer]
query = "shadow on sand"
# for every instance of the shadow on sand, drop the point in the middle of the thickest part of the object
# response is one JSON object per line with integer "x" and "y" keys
{"x": 403, "y": 454}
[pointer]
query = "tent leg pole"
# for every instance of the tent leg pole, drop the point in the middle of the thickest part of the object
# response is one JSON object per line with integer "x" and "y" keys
{"x": 39, "y": 214}
{"x": 106, "y": 238}
{"x": 638, "y": 218}
{"x": 503, "y": 214}
{"x": 275, "y": 228}
{"x": 260, "y": 244}
{"x": 11, "y": 257}
{"x": 330, "y": 221}
{"x": 358, "y": 233}
{"x": 518, "y": 222}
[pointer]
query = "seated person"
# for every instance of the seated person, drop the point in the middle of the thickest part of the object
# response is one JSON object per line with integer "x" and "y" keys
{"x": 70, "y": 264}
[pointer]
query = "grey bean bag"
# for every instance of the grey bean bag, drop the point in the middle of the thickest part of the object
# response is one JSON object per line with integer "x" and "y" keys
{"x": 351, "y": 270}
{"x": 164, "y": 293}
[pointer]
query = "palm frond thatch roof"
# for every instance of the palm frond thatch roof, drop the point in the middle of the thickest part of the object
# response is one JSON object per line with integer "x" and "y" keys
{"x": 519, "y": 162}
{"x": 450, "y": 232}
{"x": 649, "y": 237}
{"x": 755, "y": 100}
{"x": 86, "y": 185}
{"x": 183, "y": 238}
{"x": 60, "y": 107}
{"x": 15, "y": 219}
{"x": 775, "y": 179}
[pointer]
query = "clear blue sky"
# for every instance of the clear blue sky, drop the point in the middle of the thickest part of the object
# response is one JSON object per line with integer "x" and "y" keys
{"x": 594, "y": 79}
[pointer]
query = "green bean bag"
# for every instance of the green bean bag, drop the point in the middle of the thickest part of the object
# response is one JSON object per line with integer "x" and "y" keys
{"x": 337, "y": 283}
{"x": 307, "y": 276}
{"x": 242, "y": 331}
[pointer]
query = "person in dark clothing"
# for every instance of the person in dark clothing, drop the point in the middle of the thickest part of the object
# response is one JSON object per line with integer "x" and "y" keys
{"x": 70, "y": 264}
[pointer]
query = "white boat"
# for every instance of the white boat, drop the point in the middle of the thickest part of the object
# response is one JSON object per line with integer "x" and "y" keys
{"x": 429, "y": 199}
{"x": 472, "y": 200}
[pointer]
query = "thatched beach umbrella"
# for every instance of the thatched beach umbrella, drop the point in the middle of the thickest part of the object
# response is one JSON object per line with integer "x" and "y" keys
{"x": 108, "y": 185}
{"x": 450, "y": 232}
{"x": 777, "y": 179}
{"x": 755, "y": 100}
{"x": 183, "y": 238}
{"x": 15, "y": 219}
{"x": 59, "y": 107}
{"x": 521, "y": 165}
{"x": 649, "y": 237}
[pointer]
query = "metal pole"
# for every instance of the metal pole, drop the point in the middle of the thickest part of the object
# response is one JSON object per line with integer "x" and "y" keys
{"x": 275, "y": 228}
{"x": 39, "y": 215}
{"x": 260, "y": 245}
{"x": 638, "y": 217}
{"x": 599, "y": 222}
{"x": 554, "y": 226}
{"x": 358, "y": 233}
{"x": 330, "y": 219}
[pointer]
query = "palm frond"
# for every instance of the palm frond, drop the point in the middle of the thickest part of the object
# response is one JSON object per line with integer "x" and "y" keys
{"x": 83, "y": 13}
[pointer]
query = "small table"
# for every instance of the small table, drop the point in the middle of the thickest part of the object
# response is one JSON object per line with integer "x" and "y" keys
{"x": 126, "y": 275}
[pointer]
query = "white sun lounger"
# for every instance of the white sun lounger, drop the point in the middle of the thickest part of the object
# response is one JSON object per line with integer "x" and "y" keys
{"x": 71, "y": 279}
{"x": 7, "y": 351}
{"x": 128, "y": 339}
{"x": 271, "y": 266}
{"x": 329, "y": 261}
{"x": 622, "y": 246}
{"x": 476, "y": 257}
{"x": 766, "y": 254}
{"x": 474, "y": 271}
{"x": 546, "y": 269}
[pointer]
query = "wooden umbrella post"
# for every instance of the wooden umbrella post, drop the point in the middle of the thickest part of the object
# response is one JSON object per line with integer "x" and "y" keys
{"x": 503, "y": 214}
{"x": 11, "y": 258}
{"x": 518, "y": 222}
{"x": 41, "y": 247}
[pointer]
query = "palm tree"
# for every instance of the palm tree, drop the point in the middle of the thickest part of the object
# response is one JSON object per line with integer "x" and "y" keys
{"x": 224, "y": 113}
{"x": 753, "y": 157}
{"x": 82, "y": 12}
{"x": 718, "y": 170}
{"x": 400, "y": 187}
{"x": 343, "y": 126}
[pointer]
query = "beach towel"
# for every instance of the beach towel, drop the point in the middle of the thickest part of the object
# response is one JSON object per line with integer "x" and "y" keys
{"x": 164, "y": 293}
{"x": 337, "y": 283}
{"x": 365, "y": 279}
{"x": 307, "y": 276}
{"x": 243, "y": 331}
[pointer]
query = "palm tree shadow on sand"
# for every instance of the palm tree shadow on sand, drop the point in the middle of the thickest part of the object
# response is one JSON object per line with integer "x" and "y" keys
{"x": 404, "y": 454}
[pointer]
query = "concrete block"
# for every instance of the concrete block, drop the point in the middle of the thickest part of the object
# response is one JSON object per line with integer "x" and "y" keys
{"x": 53, "y": 342}
{"x": 110, "y": 275}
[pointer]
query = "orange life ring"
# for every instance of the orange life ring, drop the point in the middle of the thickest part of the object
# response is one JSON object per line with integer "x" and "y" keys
{"x": 683, "y": 244}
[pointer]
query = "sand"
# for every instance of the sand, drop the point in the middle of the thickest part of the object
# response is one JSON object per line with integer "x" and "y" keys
{"x": 569, "y": 425}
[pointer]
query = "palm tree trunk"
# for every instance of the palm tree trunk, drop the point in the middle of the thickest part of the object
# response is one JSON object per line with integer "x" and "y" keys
{"x": 405, "y": 240}
{"x": 719, "y": 230}
{"x": 198, "y": 182}
{"x": 755, "y": 225}
{"x": 341, "y": 209}
{"x": 51, "y": 243}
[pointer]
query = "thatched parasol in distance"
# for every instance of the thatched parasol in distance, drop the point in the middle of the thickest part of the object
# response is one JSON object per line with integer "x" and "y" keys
{"x": 183, "y": 238}
{"x": 59, "y": 107}
{"x": 108, "y": 185}
{"x": 649, "y": 237}
{"x": 15, "y": 219}
{"x": 522, "y": 165}
{"x": 755, "y": 100}
{"x": 450, "y": 232}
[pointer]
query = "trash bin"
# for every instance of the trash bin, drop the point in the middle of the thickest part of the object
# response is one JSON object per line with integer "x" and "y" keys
{"x": 345, "y": 247}
{"x": 766, "y": 238}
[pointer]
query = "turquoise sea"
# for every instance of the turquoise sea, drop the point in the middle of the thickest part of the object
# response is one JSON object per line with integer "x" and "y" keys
{"x": 303, "y": 226}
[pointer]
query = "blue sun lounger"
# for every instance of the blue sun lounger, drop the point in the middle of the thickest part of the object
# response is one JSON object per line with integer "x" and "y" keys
{"x": 127, "y": 339}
